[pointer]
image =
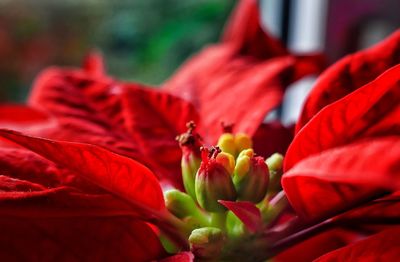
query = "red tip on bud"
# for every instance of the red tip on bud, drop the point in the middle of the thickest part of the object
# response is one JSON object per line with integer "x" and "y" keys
{"x": 190, "y": 143}
{"x": 213, "y": 182}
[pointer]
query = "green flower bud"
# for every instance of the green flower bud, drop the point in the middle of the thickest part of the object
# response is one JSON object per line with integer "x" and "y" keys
{"x": 206, "y": 242}
{"x": 190, "y": 164}
{"x": 251, "y": 177}
{"x": 213, "y": 182}
{"x": 275, "y": 163}
{"x": 179, "y": 203}
{"x": 190, "y": 143}
{"x": 183, "y": 206}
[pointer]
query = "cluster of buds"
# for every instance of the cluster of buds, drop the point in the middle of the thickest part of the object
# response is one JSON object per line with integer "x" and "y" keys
{"x": 230, "y": 171}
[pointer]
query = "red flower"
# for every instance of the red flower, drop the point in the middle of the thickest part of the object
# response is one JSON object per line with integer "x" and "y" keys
{"x": 87, "y": 199}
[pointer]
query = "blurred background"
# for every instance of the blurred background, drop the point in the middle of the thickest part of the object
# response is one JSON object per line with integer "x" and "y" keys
{"x": 146, "y": 40}
{"x": 142, "y": 40}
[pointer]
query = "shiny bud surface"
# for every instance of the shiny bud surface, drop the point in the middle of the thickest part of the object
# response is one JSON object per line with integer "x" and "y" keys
{"x": 190, "y": 143}
{"x": 242, "y": 142}
{"x": 251, "y": 185}
{"x": 213, "y": 183}
{"x": 206, "y": 242}
{"x": 226, "y": 143}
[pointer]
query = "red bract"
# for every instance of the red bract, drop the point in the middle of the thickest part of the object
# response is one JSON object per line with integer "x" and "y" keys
{"x": 347, "y": 154}
{"x": 115, "y": 173}
{"x": 247, "y": 212}
{"x": 25, "y": 118}
{"x": 127, "y": 119}
{"x": 92, "y": 193}
{"x": 368, "y": 112}
{"x": 349, "y": 74}
{"x": 105, "y": 195}
{"x": 49, "y": 213}
{"x": 380, "y": 247}
{"x": 242, "y": 78}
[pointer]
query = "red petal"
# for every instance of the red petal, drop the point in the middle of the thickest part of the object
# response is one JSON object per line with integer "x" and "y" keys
{"x": 382, "y": 210}
{"x": 336, "y": 179}
{"x": 240, "y": 79}
{"x": 380, "y": 247}
{"x": 77, "y": 239}
{"x": 93, "y": 63}
{"x": 21, "y": 114}
{"x": 247, "y": 212}
{"x": 350, "y": 73}
{"x": 369, "y": 111}
{"x": 244, "y": 30}
{"x": 154, "y": 119}
{"x": 180, "y": 257}
{"x": 127, "y": 119}
{"x": 25, "y": 118}
{"x": 314, "y": 247}
{"x": 119, "y": 175}
{"x": 222, "y": 93}
{"x": 43, "y": 218}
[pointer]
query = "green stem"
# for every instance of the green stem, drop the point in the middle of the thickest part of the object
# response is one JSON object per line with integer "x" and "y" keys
{"x": 203, "y": 219}
{"x": 219, "y": 220}
{"x": 177, "y": 231}
{"x": 278, "y": 205}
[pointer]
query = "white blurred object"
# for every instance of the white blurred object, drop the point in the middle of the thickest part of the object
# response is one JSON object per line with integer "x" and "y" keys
{"x": 307, "y": 25}
{"x": 294, "y": 99}
{"x": 271, "y": 16}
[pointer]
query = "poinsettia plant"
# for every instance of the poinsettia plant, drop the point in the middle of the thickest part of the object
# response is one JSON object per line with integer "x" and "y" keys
{"x": 97, "y": 173}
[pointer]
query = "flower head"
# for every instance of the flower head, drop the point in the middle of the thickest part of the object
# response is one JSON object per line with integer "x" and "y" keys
{"x": 110, "y": 150}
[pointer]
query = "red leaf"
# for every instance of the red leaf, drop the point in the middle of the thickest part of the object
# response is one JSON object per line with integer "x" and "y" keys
{"x": 380, "y": 247}
{"x": 44, "y": 218}
{"x": 314, "y": 247}
{"x": 25, "y": 118}
{"x": 180, "y": 257}
{"x": 247, "y": 212}
{"x": 32, "y": 186}
{"x": 77, "y": 239}
{"x": 94, "y": 64}
{"x": 349, "y": 74}
{"x": 369, "y": 111}
{"x": 244, "y": 30}
{"x": 113, "y": 115}
{"x": 21, "y": 114}
{"x": 156, "y": 135}
{"x": 222, "y": 93}
{"x": 336, "y": 179}
{"x": 381, "y": 210}
{"x": 240, "y": 79}
{"x": 119, "y": 175}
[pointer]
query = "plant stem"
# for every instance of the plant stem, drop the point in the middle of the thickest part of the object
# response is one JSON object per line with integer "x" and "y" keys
{"x": 177, "y": 231}
{"x": 219, "y": 220}
{"x": 293, "y": 239}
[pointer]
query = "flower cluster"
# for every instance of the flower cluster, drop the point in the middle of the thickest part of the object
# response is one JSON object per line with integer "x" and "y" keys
{"x": 226, "y": 177}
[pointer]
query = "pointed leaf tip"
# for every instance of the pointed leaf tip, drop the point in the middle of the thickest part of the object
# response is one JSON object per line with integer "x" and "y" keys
{"x": 93, "y": 63}
{"x": 247, "y": 212}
